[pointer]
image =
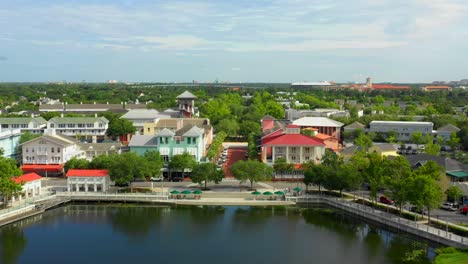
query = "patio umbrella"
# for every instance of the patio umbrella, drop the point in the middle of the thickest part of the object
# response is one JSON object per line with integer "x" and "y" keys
{"x": 174, "y": 192}
{"x": 186, "y": 192}
{"x": 279, "y": 193}
{"x": 297, "y": 189}
{"x": 256, "y": 193}
{"x": 197, "y": 192}
{"x": 267, "y": 193}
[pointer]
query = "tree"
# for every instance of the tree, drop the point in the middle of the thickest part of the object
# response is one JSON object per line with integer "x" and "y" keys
{"x": 432, "y": 148}
{"x": 417, "y": 138}
{"x": 206, "y": 172}
{"x": 392, "y": 136}
{"x": 229, "y": 126}
{"x": 374, "y": 174}
{"x": 454, "y": 193}
{"x": 76, "y": 163}
{"x": 454, "y": 141}
{"x": 463, "y": 136}
{"x": 127, "y": 167}
{"x": 274, "y": 109}
{"x": 397, "y": 180}
{"x": 251, "y": 170}
{"x": 248, "y": 127}
{"x": 102, "y": 162}
{"x": 182, "y": 162}
{"x": 155, "y": 163}
{"x": 314, "y": 174}
{"x": 363, "y": 141}
{"x": 119, "y": 127}
{"x": 216, "y": 145}
{"x": 252, "y": 147}
{"x": 281, "y": 165}
{"x": 8, "y": 188}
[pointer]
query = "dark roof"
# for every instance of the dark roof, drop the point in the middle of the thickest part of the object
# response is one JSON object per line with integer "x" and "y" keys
{"x": 350, "y": 150}
{"x": 355, "y": 125}
{"x": 448, "y": 163}
{"x": 385, "y": 147}
{"x": 448, "y": 128}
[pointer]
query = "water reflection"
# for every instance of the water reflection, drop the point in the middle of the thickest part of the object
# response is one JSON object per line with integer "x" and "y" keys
{"x": 13, "y": 243}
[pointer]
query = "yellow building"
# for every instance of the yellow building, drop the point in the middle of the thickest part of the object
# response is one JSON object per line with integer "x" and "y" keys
{"x": 384, "y": 149}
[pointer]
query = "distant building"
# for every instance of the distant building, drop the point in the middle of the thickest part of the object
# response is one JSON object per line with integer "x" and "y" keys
{"x": 436, "y": 88}
{"x": 141, "y": 116}
{"x": 404, "y": 128}
{"x": 88, "y": 127}
{"x": 34, "y": 125}
{"x": 455, "y": 170}
{"x": 9, "y": 140}
{"x": 353, "y": 127}
{"x": 389, "y": 87}
{"x": 310, "y": 84}
{"x": 293, "y": 114}
{"x": 324, "y": 125}
{"x": 446, "y": 131}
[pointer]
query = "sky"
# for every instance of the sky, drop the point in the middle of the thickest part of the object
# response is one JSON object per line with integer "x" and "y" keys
{"x": 236, "y": 40}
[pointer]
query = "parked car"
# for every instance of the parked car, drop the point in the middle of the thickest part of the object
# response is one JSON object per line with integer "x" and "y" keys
{"x": 385, "y": 200}
{"x": 464, "y": 210}
{"x": 415, "y": 209}
{"x": 449, "y": 206}
{"x": 157, "y": 178}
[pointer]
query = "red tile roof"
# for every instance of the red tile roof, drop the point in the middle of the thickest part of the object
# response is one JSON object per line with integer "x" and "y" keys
{"x": 87, "y": 173}
{"x": 29, "y": 177}
{"x": 295, "y": 140}
{"x": 389, "y": 87}
{"x": 272, "y": 136}
{"x": 322, "y": 136}
{"x": 42, "y": 167}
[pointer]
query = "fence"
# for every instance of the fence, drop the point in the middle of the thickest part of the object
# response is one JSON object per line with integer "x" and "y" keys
{"x": 130, "y": 197}
{"x": 415, "y": 228}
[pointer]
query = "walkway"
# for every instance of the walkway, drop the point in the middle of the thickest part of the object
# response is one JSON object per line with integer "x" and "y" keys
{"x": 234, "y": 155}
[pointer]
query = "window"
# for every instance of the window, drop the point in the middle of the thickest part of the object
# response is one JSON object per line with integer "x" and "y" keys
{"x": 101, "y": 125}
{"x": 4, "y": 126}
{"x": 27, "y": 150}
{"x": 24, "y": 125}
{"x": 307, "y": 150}
{"x": 32, "y": 150}
{"x": 166, "y": 139}
{"x": 61, "y": 125}
{"x": 293, "y": 157}
{"x": 194, "y": 140}
{"x": 177, "y": 141}
{"x": 15, "y": 126}
{"x": 58, "y": 150}
{"x": 89, "y": 125}
{"x": 81, "y": 125}
{"x": 71, "y": 125}
{"x": 52, "y": 125}
{"x": 307, "y": 157}
{"x": 165, "y": 158}
{"x": 160, "y": 140}
{"x": 189, "y": 140}
{"x": 293, "y": 150}
{"x": 148, "y": 129}
{"x": 52, "y": 150}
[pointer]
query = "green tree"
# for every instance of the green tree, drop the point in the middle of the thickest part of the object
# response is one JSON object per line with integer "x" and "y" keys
{"x": 155, "y": 163}
{"x": 251, "y": 170}
{"x": 216, "y": 145}
{"x": 275, "y": 109}
{"x": 364, "y": 141}
{"x": 417, "y": 138}
{"x": 252, "y": 147}
{"x": 8, "y": 188}
{"x": 248, "y": 127}
{"x": 229, "y": 126}
{"x": 392, "y": 136}
{"x": 76, "y": 163}
{"x": 374, "y": 174}
{"x": 454, "y": 193}
{"x": 119, "y": 127}
{"x": 127, "y": 167}
{"x": 206, "y": 172}
{"x": 463, "y": 135}
{"x": 182, "y": 162}
{"x": 454, "y": 141}
{"x": 102, "y": 161}
{"x": 432, "y": 148}
{"x": 314, "y": 174}
{"x": 281, "y": 165}
{"x": 397, "y": 180}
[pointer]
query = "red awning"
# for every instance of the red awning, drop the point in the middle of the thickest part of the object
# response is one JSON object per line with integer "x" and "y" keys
{"x": 42, "y": 167}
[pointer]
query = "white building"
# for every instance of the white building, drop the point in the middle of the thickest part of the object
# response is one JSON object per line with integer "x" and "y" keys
{"x": 404, "y": 128}
{"x": 293, "y": 114}
{"x": 31, "y": 186}
{"x": 35, "y": 125}
{"x": 141, "y": 116}
{"x": 88, "y": 180}
{"x": 322, "y": 124}
{"x": 92, "y": 127}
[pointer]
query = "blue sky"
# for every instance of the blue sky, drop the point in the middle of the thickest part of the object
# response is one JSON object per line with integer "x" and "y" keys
{"x": 242, "y": 40}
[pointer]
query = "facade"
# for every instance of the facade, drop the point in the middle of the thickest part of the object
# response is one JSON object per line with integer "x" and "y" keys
{"x": 47, "y": 154}
{"x": 174, "y": 124}
{"x": 446, "y": 131}
{"x": 31, "y": 186}
{"x": 89, "y": 127}
{"x": 186, "y": 102}
{"x": 384, "y": 149}
{"x": 9, "y": 140}
{"x": 88, "y": 180}
{"x": 404, "y": 128}
{"x": 293, "y": 146}
{"x": 139, "y": 117}
{"x": 34, "y": 125}
{"x": 190, "y": 139}
{"x": 436, "y": 88}
{"x": 324, "y": 125}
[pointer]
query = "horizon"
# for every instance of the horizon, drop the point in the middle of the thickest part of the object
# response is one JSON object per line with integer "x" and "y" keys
{"x": 411, "y": 41}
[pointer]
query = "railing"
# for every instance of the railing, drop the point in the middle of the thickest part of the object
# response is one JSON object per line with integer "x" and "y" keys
{"x": 415, "y": 228}
{"x": 115, "y": 196}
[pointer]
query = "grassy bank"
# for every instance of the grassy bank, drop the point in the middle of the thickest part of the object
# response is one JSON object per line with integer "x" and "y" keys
{"x": 451, "y": 256}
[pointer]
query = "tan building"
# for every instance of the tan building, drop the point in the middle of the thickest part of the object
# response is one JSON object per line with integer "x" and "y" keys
{"x": 436, "y": 88}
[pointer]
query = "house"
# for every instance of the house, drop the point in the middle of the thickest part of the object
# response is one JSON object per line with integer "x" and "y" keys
{"x": 9, "y": 140}
{"x": 190, "y": 138}
{"x": 436, "y": 88}
{"x": 174, "y": 124}
{"x": 404, "y": 128}
{"x": 290, "y": 144}
{"x": 446, "y": 131}
{"x": 93, "y": 150}
{"x": 384, "y": 149}
{"x": 30, "y": 186}
{"x": 330, "y": 142}
{"x": 324, "y": 125}
{"x": 349, "y": 129}
{"x": 93, "y": 128}
{"x": 139, "y": 117}
{"x": 35, "y": 125}
{"x": 455, "y": 170}
{"x": 47, "y": 154}
{"x": 88, "y": 180}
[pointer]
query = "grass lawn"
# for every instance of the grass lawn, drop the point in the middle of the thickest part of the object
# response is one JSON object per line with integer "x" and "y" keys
{"x": 452, "y": 258}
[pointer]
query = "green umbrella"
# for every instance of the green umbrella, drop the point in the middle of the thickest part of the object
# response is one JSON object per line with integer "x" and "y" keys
{"x": 279, "y": 193}
{"x": 267, "y": 193}
{"x": 256, "y": 193}
{"x": 297, "y": 189}
{"x": 174, "y": 192}
{"x": 197, "y": 192}
{"x": 186, "y": 192}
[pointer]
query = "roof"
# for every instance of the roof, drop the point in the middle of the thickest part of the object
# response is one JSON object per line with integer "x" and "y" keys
{"x": 322, "y": 136}
{"x": 350, "y": 150}
{"x": 268, "y": 117}
{"x": 355, "y": 125}
{"x": 385, "y": 147}
{"x": 194, "y": 131}
{"x": 186, "y": 95}
{"x": 295, "y": 140}
{"x": 449, "y": 164}
{"x": 317, "y": 122}
{"x": 29, "y": 177}
{"x": 78, "y": 120}
{"x": 165, "y": 133}
{"x": 100, "y": 146}
{"x": 51, "y": 107}
{"x": 143, "y": 114}
{"x": 437, "y": 87}
{"x": 57, "y": 138}
{"x": 135, "y": 106}
{"x": 448, "y": 128}
{"x": 458, "y": 174}
{"x": 87, "y": 173}
{"x": 402, "y": 123}
{"x": 390, "y": 87}
{"x": 142, "y": 140}
{"x": 42, "y": 167}
{"x": 93, "y": 106}
{"x": 22, "y": 120}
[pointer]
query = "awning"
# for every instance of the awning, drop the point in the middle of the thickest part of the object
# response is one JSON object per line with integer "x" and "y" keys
{"x": 458, "y": 174}
{"x": 42, "y": 167}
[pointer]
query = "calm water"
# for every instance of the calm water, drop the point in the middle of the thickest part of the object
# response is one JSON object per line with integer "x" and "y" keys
{"x": 131, "y": 234}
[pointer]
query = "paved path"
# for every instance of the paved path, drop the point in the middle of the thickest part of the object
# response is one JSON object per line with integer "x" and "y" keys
{"x": 234, "y": 155}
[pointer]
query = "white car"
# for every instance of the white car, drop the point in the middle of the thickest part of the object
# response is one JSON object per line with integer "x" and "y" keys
{"x": 158, "y": 178}
{"x": 449, "y": 206}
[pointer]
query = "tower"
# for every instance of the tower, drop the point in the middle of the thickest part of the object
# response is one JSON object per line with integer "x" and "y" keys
{"x": 369, "y": 82}
{"x": 186, "y": 102}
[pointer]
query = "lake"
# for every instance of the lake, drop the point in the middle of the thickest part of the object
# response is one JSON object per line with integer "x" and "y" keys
{"x": 209, "y": 234}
